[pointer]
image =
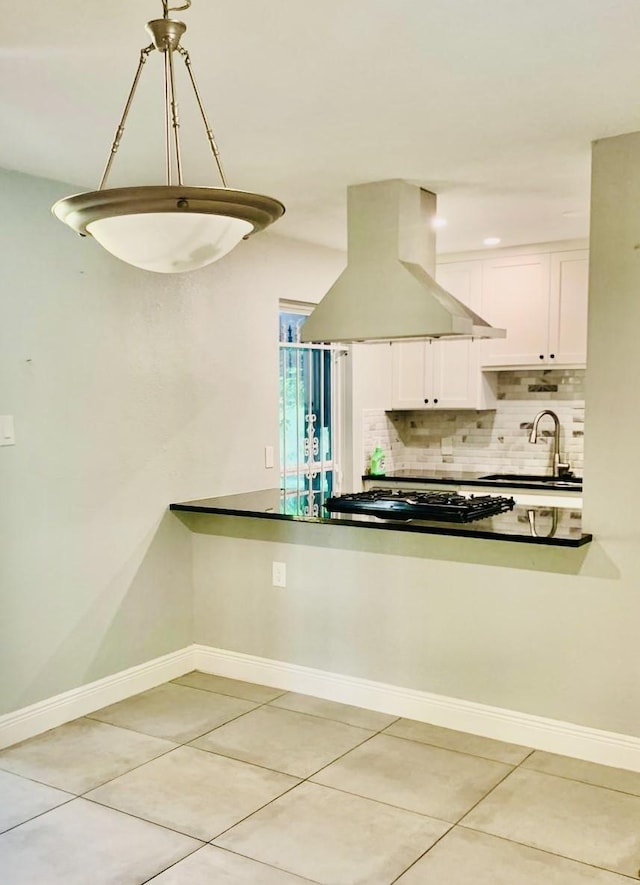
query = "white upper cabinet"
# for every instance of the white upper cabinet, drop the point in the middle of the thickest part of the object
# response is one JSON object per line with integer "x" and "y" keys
{"x": 432, "y": 375}
{"x": 444, "y": 373}
{"x": 515, "y": 297}
{"x": 410, "y": 374}
{"x": 569, "y": 308}
{"x": 541, "y": 300}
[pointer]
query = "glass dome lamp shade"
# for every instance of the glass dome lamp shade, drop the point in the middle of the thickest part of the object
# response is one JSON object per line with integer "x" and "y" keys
{"x": 168, "y": 242}
{"x": 169, "y": 228}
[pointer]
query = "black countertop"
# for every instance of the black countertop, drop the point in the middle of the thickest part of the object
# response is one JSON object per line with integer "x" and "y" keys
{"x": 473, "y": 478}
{"x": 539, "y": 524}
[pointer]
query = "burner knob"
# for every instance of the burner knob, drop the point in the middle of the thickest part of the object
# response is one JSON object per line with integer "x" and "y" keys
{"x": 426, "y": 401}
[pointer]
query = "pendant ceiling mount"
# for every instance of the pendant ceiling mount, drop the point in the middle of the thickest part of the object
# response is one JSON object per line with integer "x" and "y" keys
{"x": 168, "y": 228}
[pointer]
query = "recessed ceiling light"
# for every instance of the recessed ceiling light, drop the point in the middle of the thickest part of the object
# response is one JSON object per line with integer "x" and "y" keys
{"x": 491, "y": 241}
{"x": 439, "y": 222}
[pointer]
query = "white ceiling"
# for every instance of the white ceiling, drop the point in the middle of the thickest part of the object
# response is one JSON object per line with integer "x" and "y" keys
{"x": 492, "y": 104}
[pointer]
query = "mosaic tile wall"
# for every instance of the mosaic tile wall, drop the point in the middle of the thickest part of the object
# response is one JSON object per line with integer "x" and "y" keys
{"x": 487, "y": 441}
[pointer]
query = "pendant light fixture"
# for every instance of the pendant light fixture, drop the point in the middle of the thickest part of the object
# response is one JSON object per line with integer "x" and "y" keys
{"x": 168, "y": 228}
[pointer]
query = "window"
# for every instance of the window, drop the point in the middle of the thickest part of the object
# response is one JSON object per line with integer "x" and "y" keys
{"x": 310, "y": 404}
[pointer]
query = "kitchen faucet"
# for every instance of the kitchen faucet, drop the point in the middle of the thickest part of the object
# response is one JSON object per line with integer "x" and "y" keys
{"x": 560, "y": 468}
{"x": 531, "y": 516}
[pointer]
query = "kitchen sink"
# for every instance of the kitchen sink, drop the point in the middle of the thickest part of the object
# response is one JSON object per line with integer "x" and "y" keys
{"x": 566, "y": 482}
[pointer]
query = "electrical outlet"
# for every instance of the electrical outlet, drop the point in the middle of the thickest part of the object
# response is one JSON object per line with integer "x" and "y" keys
{"x": 446, "y": 445}
{"x": 279, "y": 574}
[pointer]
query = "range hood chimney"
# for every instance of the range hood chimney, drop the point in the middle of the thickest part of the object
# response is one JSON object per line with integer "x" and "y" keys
{"x": 387, "y": 290}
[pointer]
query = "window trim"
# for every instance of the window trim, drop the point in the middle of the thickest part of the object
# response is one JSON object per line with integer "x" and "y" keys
{"x": 308, "y": 467}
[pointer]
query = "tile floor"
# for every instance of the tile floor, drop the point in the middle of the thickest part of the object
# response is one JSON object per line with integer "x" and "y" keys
{"x": 211, "y": 781}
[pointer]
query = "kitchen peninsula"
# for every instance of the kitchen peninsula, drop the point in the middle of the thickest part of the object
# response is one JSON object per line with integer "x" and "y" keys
{"x": 531, "y": 524}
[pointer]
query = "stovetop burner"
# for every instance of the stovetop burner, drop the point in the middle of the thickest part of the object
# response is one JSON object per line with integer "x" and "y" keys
{"x": 406, "y": 505}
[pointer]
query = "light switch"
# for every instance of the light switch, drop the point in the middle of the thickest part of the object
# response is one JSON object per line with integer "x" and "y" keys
{"x": 7, "y": 435}
{"x": 268, "y": 456}
{"x": 279, "y": 574}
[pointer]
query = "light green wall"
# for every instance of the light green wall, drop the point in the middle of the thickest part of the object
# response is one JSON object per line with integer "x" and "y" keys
{"x": 129, "y": 390}
{"x": 547, "y": 632}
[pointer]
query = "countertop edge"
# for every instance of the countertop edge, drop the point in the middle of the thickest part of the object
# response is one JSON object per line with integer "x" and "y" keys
{"x": 456, "y": 529}
{"x": 473, "y": 481}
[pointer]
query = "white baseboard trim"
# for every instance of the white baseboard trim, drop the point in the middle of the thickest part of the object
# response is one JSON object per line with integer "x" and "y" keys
{"x": 552, "y": 735}
{"x": 37, "y": 718}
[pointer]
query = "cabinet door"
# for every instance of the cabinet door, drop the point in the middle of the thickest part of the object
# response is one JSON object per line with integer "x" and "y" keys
{"x": 458, "y": 378}
{"x": 568, "y": 309}
{"x": 453, "y": 376}
{"x": 410, "y": 367}
{"x": 515, "y": 297}
{"x": 430, "y": 374}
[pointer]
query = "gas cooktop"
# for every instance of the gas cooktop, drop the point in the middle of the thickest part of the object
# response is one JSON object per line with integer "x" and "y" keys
{"x": 406, "y": 505}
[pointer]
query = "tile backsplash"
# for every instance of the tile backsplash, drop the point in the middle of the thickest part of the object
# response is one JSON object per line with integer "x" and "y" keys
{"x": 487, "y": 441}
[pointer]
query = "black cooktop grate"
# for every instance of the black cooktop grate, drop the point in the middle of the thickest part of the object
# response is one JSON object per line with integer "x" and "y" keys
{"x": 405, "y": 505}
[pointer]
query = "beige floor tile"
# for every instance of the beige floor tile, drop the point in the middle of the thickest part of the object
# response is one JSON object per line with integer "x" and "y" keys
{"x": 285, "y": 741}
{"x": 467, "y": 858}
{"x": 80, "y": 843}
{"x": 511, "y": 754}
{"x": 22, "y": 799}
{"x": 371, "y": 813}
{"x": 304, "y": 703}
{"x": 589, "y": 824}
{"x": 194, "y": 792}
{"x": 410, "y": 775}
{"x": 588, "y": 772}
{"x": 334, "y": 838}
{"x": 174, "y": 712}
{"x": 213, "y": 866}
{"x": 81, "y": 755}
{"x": 232, "y": 687}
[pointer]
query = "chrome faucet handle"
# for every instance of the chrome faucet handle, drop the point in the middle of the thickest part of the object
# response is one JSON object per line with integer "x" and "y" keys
{"x": 563, "y": 468}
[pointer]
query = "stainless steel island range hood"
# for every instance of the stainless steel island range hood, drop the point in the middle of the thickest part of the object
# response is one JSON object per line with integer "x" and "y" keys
{"x": 387, "y": 290}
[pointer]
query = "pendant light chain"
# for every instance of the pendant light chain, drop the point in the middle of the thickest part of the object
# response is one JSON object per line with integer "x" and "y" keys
{"x": 166, "y": 9}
